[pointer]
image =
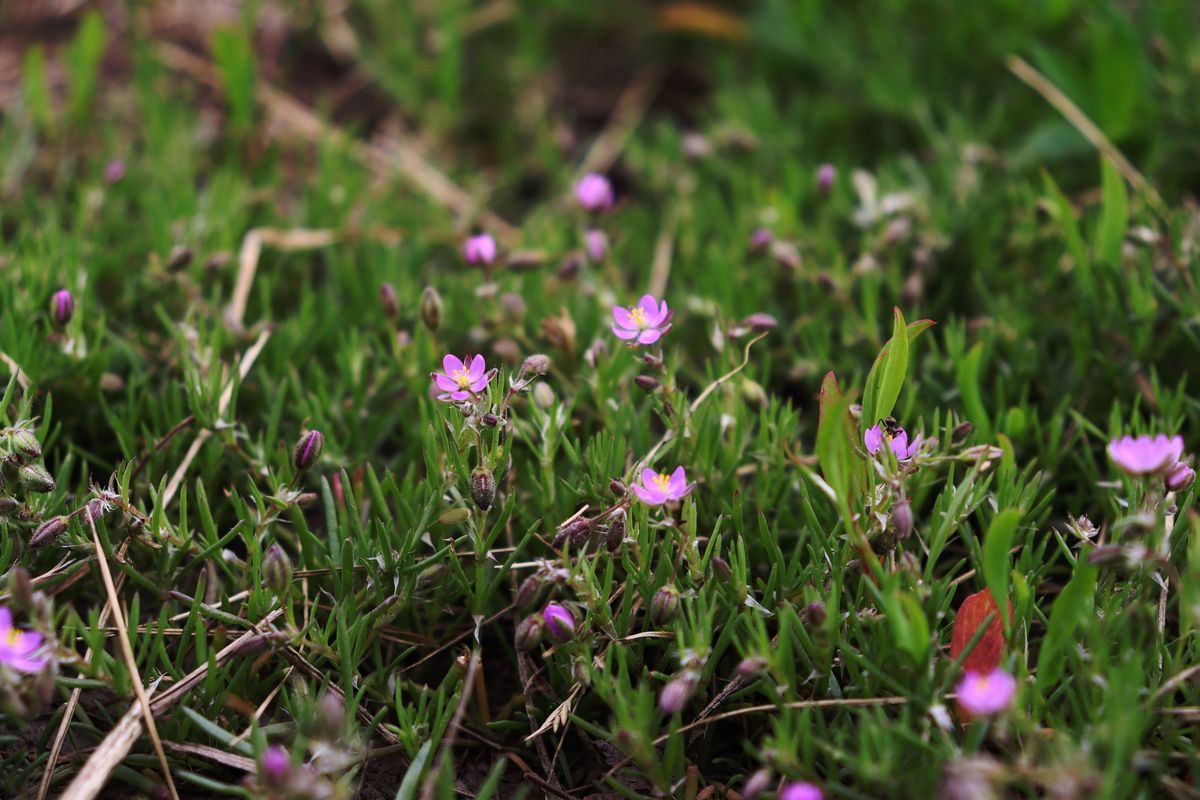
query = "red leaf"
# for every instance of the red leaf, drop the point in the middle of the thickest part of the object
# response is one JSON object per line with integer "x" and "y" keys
{"x": 986, "y": 654}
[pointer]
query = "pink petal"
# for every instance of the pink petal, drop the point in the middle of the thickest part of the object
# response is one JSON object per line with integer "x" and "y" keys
{"x": 459, "y": 395}
{"x": 677, "y": 486}
{"x": 27, "y": 664}
{"x": 478, "y": 367}
{"x": 444, "y": 383}
{"x": 27, "y": 642}
{"x": 624, "y": 318}
{"x": 621, "y": 333}
{"x": 649, "y": 336}
{"x": 480, "y": 383}
{"x": 649, "y": 307}
{"x": 451, "y": 364}
{"x": 5, "y": 618}
{"x": 648, "y": 476}
{"x": 649, "y": 497}
{"x": 873, "y": 439}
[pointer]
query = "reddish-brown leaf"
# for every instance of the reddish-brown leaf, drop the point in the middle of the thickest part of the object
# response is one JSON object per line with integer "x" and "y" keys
{"x": 986, "y": 655}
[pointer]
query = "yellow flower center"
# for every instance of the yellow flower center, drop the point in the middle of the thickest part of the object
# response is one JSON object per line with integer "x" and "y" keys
{"x": 660, "y": 481}
{"x": 639, "y": 317}
{"x": 462, "y": 377}
{"x": 12, "y": 637}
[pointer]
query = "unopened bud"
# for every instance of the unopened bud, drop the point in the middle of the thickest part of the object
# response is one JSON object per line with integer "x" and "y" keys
{"x": 389, "y": 301}
{"x": 543, "y": 395}
{"x": 760, "y": 240}
{"x": 749, "y": 667}
{"x": 483, "y": 488}
{"x": 275, "y": 768}
{"x": 1180, "y": 477}
{"x": 814, "y": 613}
{"x": 617, "y": 488}
{"x": 20, "y": 589}
{"x": 648, "y": 383}
{"x": 308, "y": 450}
{"x": 35, "y": 478}
{"x": 431, "y": 309}
{"x": 536, "y": 364}
{"x": 560, "y": 622}
{"x": 721, "y": 568}
{"x": 490, "y": 419}
{"x": 664, "y": 605}
{"x": 576, "y": 531}
{"x": 760, "y": 322}
{"x": 23, "y": 443}
{"x": 596, "y": 244}
{"x": 8, "y": 506}
{"x": 528, "y": 591}
{"x": 826, "y": 175}
{"x": 902, "y": 519}
{"x": 675, "y": 695}
{"x": 757, "y": 784}
{"x": 754, "y": 394}
{"x": 62, "y": 307}
{"x": 616, "y": 530}
{"x": 513, "y": 306}
{"x": 570, "y": 267}
{"x": 179, "y": 257}
{"x": 277, "y": 571}
{"x": 529, "y": 632}
{"x": 330, "y": 720}
{"x": 961, "y": 432}
{"x": 595, "y": 353}
{"x": 48, "y": 531}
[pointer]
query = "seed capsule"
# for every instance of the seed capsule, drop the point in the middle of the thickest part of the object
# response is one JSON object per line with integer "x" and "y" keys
{"x": 308, "y": 450}
{"x": 48, "y": 531}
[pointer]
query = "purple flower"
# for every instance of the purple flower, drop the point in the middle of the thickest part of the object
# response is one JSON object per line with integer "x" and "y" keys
{"x": 675, "y": 695}
{"x": 480, "y": 249}
{"x": 1145, "y": 455}
{"x": 276, "y": 765}
{"x": 559, "y": 621}
{"x": 17, "y": 646}
{"x": 901, "y": 448}
{"x": 761, "y": 239}
{"x": 460, "y": 381}
{"x": 596, "y": 244}
{"x": 62, "y": 307}
{"x": 982, "y": 694}
{"x": 594, "y": 192}
{"x": 826, "y": 175}
{"x": 114, "y": 170}
{"x": 658, "y": 488}
{"x": 645, "y": 323}
{"x": 801, "y": 791}
{"x": 1180, "y": 477}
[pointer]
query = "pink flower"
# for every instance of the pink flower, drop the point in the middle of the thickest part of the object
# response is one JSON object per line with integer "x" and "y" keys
{"x": 645, "y": 323}
{"x": 276, "y": 765}
{"x": 1180, "y": 477}
{"x": 981, "y": 694}
{"x": 594, "y": 192}
{"x": 559, "y": 621}
{"x": 658, "y": 488}
{"x": 1145, "y": 455}
{"x": 17, "y": 646}
{"x": 480, "y": 249}
{"x": 901, "y": 448}
{"x": 114, "y": 171}
{"x": 596, "y": 243}
{"x": 460, "y": 381}
{"x": 801, "y": 791}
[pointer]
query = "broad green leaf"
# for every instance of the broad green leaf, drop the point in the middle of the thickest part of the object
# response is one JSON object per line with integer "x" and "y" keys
{"x": 872, "y": 404}
{"x": 995, "y": 557}
{"x": 1072, "y": 604}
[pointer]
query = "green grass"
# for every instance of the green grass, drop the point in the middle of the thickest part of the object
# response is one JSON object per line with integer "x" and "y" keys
{"x": 1066, "y": 313}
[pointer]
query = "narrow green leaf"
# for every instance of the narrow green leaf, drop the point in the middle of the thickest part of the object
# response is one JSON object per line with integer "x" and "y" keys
{"x": 995, "y": 557}
{"x": 1115, "y": 217}
{"x": 1073, "y": 603}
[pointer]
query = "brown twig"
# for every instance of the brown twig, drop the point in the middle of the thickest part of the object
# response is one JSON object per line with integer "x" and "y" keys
{"x": 429, "y": 786}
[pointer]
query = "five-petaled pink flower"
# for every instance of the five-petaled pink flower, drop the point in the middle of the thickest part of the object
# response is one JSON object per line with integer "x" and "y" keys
{"x": 901, "y": 448}
{"x": 480, "y": 249}
{"x": 17, "y": 646}
{"x": 982, "y": 694}
{"x": 645, "y": 323}
{"x": 460, "y": 379}
{"x": 658, "y": 487}
{"x": 1145, "y": 455}
{"x": 594, "y": 192}
{"x": 801, "y": 791}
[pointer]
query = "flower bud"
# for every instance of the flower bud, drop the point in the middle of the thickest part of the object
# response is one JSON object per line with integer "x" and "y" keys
{"x": 536, "y": 364}
{"x": 617, "y": 488}
{"x": 902, "y": 519}
{"x": 721, "y": 567}
{"x": 961, "y": 432}
{"x": 675, "y": 695}
{"x": 277, "y": 571}
{"x": 528, "y": 591}
{"x": 760, "y": 322}
{"x": 48, "y": 531}
{"x": 20, "y": 589}
{"x": 179, "y": 257}
{"x": 570, "y": 267}
{"x": 760, "y": 240}
{"x": 560, "y": 622}
{"x": 826, "y": 175}
{"x": 329, "y": 722}
{"x": 814, "y": 613}
{"x": 276, "y": 767}
{"x": 23, "y": 443}
{"x": 8, "y": 505}
{"x": 648, "y": 383}
{"x": 490, "y": 419}
{"x": 596, "y": 244}
{"x": 753, "y": 393}
{"x": 664, "y": 605}
{"x": 96, "y": 509}
{"x": 543, "y": 395}
{"x": 483, "y": 488}
{"x": 616, "y": 530}
{"x": 576, "y": 531}
{"x": 308, "y": 450}
{"x": 1180, "y": 477}
{"x": 751, "y": 666}
{"x": 529, "y": 632}
{"x": 389, "y": 301}
{"x": 431, "y": 309}
{"x": 513, "y": 306}
{"x": 595, "y": 353}
{"x": 758, "y": 783}
{"x": 62, "y": 307}
{"x": 35, "y": 478}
